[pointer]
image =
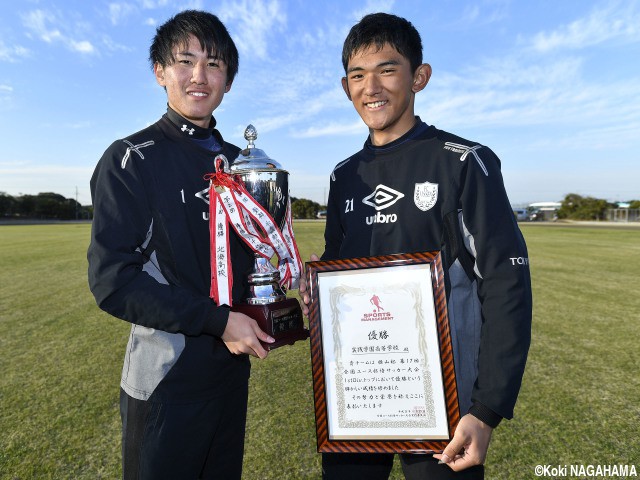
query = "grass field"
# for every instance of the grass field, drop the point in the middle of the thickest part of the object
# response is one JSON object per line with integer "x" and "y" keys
{"x": 61, "y": 359}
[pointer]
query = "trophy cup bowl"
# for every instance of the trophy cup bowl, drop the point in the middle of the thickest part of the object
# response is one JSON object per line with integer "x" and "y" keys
{"x": 267, "y": 302}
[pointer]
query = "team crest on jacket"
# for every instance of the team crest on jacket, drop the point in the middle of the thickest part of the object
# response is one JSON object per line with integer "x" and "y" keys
{"x": 425, "y": 195}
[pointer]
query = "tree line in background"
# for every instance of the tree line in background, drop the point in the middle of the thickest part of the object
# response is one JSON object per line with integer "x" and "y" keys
{"x": 303, "y": 208}
{"x": 53, "y": 206}
{"x": 577, "y": 207}
{"x": 43, "y": 206}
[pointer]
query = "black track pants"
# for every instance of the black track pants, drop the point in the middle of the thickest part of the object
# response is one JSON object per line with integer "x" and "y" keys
{"x": 203, "y": 440}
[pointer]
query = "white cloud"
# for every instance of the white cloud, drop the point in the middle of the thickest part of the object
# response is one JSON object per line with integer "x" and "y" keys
{"x": 112, "y": 46}
{"x": 598, "y": 137}
{"x": 12, "y": 53}
{"x": 292, "y": 109}
{"x": 470, "y": 14}
{"x": 254, "y": 22}
{"x": 283, "y": 100}
{"x": 193, "y": 5}
{"x": 493, "y": 11}
{"x": 504, "y": 91}
{"x": 6, "y": 92}
{"x": 372, "y": 6}
{"x": 81, "y": 47}
{"x": 612, "y": 21}
{"x": 272, "y": 121}
{"x": 332, "y": 129}
{"x": 153, "y": 4}
{"x": 12, "y": 163}
{"x": 119, "y": 11}
{"x": 299, "y": 86}
{"x": 36, "y": 21}
{"x": 49, "y": 28}
{"x": 477, "y": 13}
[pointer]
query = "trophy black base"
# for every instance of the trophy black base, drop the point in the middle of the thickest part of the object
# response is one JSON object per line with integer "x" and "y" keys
{"x": 282, "y": 320}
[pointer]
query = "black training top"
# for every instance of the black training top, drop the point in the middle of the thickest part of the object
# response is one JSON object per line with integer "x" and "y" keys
{"x": 149, "y": 261}
{"x": 397, "y": 199}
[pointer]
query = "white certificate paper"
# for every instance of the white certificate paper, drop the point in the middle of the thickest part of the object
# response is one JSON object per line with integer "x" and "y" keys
{"x": 382, "y": 361}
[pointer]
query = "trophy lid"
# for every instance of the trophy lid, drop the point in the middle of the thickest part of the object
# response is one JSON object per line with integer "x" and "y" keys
{"x": 252, "y": 158}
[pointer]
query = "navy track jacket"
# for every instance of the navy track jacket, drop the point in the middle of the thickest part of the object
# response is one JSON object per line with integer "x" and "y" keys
{"x": 400, "y": 198}
{"x": 149, "y": 262}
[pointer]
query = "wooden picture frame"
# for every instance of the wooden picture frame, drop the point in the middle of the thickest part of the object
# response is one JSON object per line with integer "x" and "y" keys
{"x": 381, "y": 354}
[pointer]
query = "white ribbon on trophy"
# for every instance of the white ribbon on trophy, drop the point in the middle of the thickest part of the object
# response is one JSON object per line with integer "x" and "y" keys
{"x": 231, "y": 204}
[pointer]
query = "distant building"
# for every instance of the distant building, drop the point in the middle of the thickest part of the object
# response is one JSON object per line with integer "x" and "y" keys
{"x": 544, "y": 211}
{"x": 624, "y": 213}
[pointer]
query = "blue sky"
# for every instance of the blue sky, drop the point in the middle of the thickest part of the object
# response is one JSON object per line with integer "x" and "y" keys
{"x": 553, "y": 87}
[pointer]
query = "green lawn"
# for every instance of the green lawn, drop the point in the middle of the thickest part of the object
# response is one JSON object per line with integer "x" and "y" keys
{"x": 61, "y": 359}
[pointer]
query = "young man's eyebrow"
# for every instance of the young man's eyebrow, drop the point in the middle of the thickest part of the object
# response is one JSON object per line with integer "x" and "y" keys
{"x": 189, "y": 54}
{"x": 381, "y": 64}
{"x": 388, "y": 62}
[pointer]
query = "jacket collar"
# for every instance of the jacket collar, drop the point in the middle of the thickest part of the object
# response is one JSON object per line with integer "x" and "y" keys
{"x": 188, "y": 129}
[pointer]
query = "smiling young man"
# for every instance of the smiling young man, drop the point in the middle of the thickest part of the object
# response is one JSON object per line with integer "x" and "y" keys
{"x": 183, "y": 397}
{"x": 382, "y": 85}
{"x": 416, "y": 188}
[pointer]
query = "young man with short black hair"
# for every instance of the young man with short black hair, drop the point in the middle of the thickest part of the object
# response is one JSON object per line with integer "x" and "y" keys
{"x": 416, "y": 188}
{"x": 183, "y": 397}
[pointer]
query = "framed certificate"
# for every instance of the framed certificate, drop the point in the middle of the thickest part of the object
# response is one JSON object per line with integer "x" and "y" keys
{"x": 382, "y": 362}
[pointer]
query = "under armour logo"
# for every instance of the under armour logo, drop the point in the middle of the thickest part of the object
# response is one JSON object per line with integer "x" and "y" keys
{"x": 382, "y": 197}
{"x": 190, "y": 130}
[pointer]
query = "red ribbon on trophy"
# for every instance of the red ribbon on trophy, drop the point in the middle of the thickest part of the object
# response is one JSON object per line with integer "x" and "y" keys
{"x": 231, "y": 204}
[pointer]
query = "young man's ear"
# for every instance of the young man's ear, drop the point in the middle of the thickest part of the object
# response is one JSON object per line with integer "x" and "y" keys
{"x": 345, "y": 87}
{"x": 228, "y": 87}
{"x": 421, "y": 77}
{"x": 158, "y": 71}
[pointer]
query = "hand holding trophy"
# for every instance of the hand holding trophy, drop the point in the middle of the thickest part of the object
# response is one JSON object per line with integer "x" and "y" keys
{"x": 252, "y": 196}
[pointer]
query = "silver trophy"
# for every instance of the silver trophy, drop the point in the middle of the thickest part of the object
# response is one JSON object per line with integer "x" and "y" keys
{"x": 267, "y": 302}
